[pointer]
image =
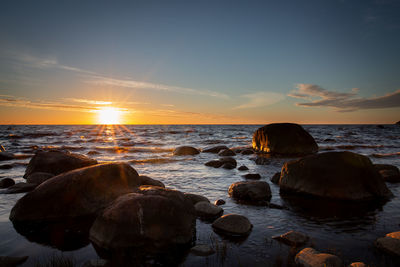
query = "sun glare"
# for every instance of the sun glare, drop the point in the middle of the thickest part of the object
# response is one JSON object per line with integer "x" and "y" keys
{"x": 109, "y": 115}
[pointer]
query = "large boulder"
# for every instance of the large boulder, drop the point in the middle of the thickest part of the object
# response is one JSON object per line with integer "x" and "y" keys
{"x": 232, "y": 225}
{"x": 185, "y": 150}
{"x": 335, "y": 175}
{"x": 57, "y": 162}
{"x": 284, "y": 138}
{"x": 250, "y": 191}
{"x": 81, "y": 192}
{"x": 390, "y": 243}
{"x": 153, "y": 219}
{"x": 310, "y": 257}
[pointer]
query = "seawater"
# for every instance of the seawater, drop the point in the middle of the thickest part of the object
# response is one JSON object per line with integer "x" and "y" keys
{"x": 148, "y": 148}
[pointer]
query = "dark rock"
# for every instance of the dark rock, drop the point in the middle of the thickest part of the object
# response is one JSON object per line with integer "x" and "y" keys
{"x": 214, "y": 149}
{"x": 226, "y": 153}
{"x": 12, "y": 261}
{"x": 78, "y": 193}
{"x": 6, "y": 182}
{"x": 358, "y": 264}
{"x": 284, "y": 138}
{"x": 6, "y": 155}
{"x": 389, "y": 244}
{"x": 247, "y": 152}
{"x": 219, "y": 202}
{"x": 231, "y": 161}
{"x": 195, "y": 198}
{"x": 6, "y": 167}
{"x": 205, "y": 209}
{"x": 228, "y": 166}
{"x": 202, "y": 250}
{"x": 292, "y": 238}
{"x": 232, "y": 225}
{"x": 335, "y": 175}
{"x": 329, "y": 140}
{"x": 93, "y": 152}
{"x": 252, "y": 191}
{"x": 185, "y": 150}
{"x": 214, "y": 163}
{"x": 39, "y": 177}
{"x": 243, "y": 168}
{"x": 261, "y": 160}
{"x": 380, "y": 126}
{"x": 390, "y": 173}
{"x": 154, "y": 219}
{"x": 146, "y": 180}
{"x": 57, "y": 162}
{"x": 309, "y": 257}
{"x": 20, "y": 188}
{"x": 252, "y": 176}
{"x": 275, "y": 178}
{"x": 398, "y": 123}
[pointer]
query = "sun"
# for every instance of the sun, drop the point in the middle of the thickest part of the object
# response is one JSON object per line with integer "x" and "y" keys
{"x": 109, "y": 115}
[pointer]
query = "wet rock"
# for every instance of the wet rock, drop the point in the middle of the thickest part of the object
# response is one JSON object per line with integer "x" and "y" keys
{"x": 252, "y": 176}
{"x": 247, "y": 152}
{"x": 390, "y": 173}
{"x": 6, "y": 167}
{"x": 310, "y": 257}
{"x": 219, "y": 202}
{"x": 275, "y": 178}
{"x": 57, "y": 162}
{"x": 389, "y": 244}
{"x": 358, "y": 264}
{"x": 228, "y": 166}
{"x": 260, "y": 160}
{"x": 232, "y": 225}
{"x": 195, "y": 198}
{"x": 146, "y": 180}
{"x": 39, "y": 177}
{"x": 214, "y": 149}
{"x": 6, "y": 182}
{"x": 202, "y": 250}
{"x": 229, "y": 162}
{"x": 284, "y": 138}
{"x": 185, "y": 151}
{"x": 207, "y": 210}
{"x": 214, "y": 163}
{"x": 78, "y": 193}
{"x": 243, "y": 168}
{"x": 251, "y": 191}
{"x": 20, "y": 188}
{"x": 335, "y": 175}
{"x": 226, "y": 153}
{"x": 154, "y": 219}
{"x": 292, "y": 238}
{"x": 6, "y": 155}
{"x": 93, "y": 152}
{"x": 7, "y": 261}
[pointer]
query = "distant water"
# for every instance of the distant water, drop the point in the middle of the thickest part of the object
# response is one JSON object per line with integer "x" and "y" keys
{"x": 148, "y": 148}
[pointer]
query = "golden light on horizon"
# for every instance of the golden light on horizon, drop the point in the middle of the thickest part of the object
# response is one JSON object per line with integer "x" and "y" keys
{"x": 109, "y": 115}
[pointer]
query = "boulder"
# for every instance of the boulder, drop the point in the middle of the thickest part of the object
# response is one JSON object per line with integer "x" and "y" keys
{"x": 78, "y": 193}
{"x": 6, "y": 182}
{"x": 153, "y": 219}
{"x": 292, "y": 238}
{"x": 284, "y": 138}
{"x": 6, "y": 155}
{"x": 389, "y": 244}
{"x": 226, "y": 153}
{"x": 232, "y": 225}
{"x": 228, "y": 162}
{"x": 206, "y": 210}
{"x": 194, "y": 198}
{"x": 275, "y": 178}
{"x": 243, "y": 168}
{"x": 185, "y": 150}
{"x": 250, "y": 191}
{"x": 335, "y": 175}
{"x": 146, "y": 180}
{"x": 57, "y": 162}
{"x": 310, "y": 257}
{"x": 214, "y": 149}
{"x": 390, "y": 173}
{"x": 228, "y": 166}
{"x": 39, "y": 177}
{"x": 219, "y": 202}
{"x": 20, "y": 188}
{"x": 202, "y": 250}
{"x": 214, "y": 163}
{"x": 252, "y": 176}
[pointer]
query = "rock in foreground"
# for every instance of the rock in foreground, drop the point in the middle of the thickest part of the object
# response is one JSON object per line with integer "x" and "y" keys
{"x": 335, "y": 175}
{"x": 284, "y": 138}
{"x": 232, "y": 225}
{"x": 250, "y": 191}
{"x": 390, "y": 243}
{"x": 309, "y": 257}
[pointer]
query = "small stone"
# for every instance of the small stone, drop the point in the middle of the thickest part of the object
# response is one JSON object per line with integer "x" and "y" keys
{"x": 93, "y": 152}
{"x": 202, "y": 250}
{"x": 228, "y": 166}
{"x": 251, "y": 191}
{"x": 205, "y": 209}
{"x": 185, "y": 150}
{"x": 390, "y": 243}
{"x": 214, "y": 163}
{"x": 275, "y": 178}
{"x": 230, "y": 160}
{"x": 195, "y": 198}
{"x": 310, "y": 257}
{"x": 6, "y": 182}
{"x": 292, "y": 238}
{"x": 252, "y": 176}
{"x": 232, "y": 225}
{"x": 226, "y": 153}
{"x": 219, "y": 202}
{"x": 214, "y": 149}
{"x": 243, "y": 168}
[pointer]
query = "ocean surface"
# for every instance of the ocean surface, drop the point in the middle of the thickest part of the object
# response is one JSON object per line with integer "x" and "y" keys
{"x": 348, "y": 232}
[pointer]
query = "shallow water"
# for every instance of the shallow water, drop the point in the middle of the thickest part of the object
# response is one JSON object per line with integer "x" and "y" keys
{"x": 149, "y": 150}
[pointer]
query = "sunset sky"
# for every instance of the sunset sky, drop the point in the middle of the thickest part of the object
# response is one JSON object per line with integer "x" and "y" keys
{"x": 200, "y": 62}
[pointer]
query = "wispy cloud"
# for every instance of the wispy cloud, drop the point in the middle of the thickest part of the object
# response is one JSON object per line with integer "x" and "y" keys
{"x": 343, "y": 102}
{"x": 260, "y": 99}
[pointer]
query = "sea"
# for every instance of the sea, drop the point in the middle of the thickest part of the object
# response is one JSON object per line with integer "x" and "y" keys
{"x": 348, "y": 231}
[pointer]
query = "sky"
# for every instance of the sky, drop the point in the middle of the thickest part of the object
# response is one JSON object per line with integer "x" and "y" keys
{"x": 200, "y": 62}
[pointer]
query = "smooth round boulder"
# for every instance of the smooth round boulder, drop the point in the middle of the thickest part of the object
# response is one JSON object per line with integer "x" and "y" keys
{"x": 292, "y": 238}
{"x": 57, "y": 162}
{"x": 195, "y": 198}
{"x": 232, "y": 225}
{"x": 6, "y": 182}
{"x": 284, "y": 138}
{"x": 146, "y": 180}
{"x": 252, "y": 176}
{"x": 243, "y": 168}
{"x": 310, "y": 257}
{"x": 250, "y": 191}
{"x": 39, "y": 177}
{"x": 185, "y": 151}
{"x": 228, "y": 162}
{"x": 214, "y": 149}
{"x": 334, "y": 175}
{"x": 226, "y": 153}
{"x": 389, "y": 244}
{"x": 205, "y": 209}
{"x": 78, "y": 193}
{"x": 154, "y": 219}
{"x": 202, "y": 250}
{"x": 390, "y": 173}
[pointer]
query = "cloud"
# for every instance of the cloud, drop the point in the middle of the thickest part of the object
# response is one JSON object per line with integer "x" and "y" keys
{"x": 343, "y": 102}
{"x": 260, "y": 99}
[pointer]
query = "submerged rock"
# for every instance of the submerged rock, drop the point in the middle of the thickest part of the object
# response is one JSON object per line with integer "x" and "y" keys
{"x": 252, "y": 176}
{"x": 232, "y": 225}
{"x": 206, "y": 210}
{"x": 202, "y": 250}
{"x": 226, "y": 153}
{"x": 250, "y": 191}
{"x": 275, "y": 179}
{"x": 310, "y": 257}
{"x": 195, "y": 198}
{"x": 6, "y": 182}
{"x": 20, "y": 188}
{"x": 39, "y": 177}
{"x": 57, "y": 162}
{"x": 390, "y": 243}
{"x": 243, "y": 168}
{"x": 185, "y": 150}
{"x": 284, "y": 138}
{"x": 390, "y": 173}
{"x": 214, "y": 149}
{"x": 336, "y": 175}
{"x": 292, "y": 238}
